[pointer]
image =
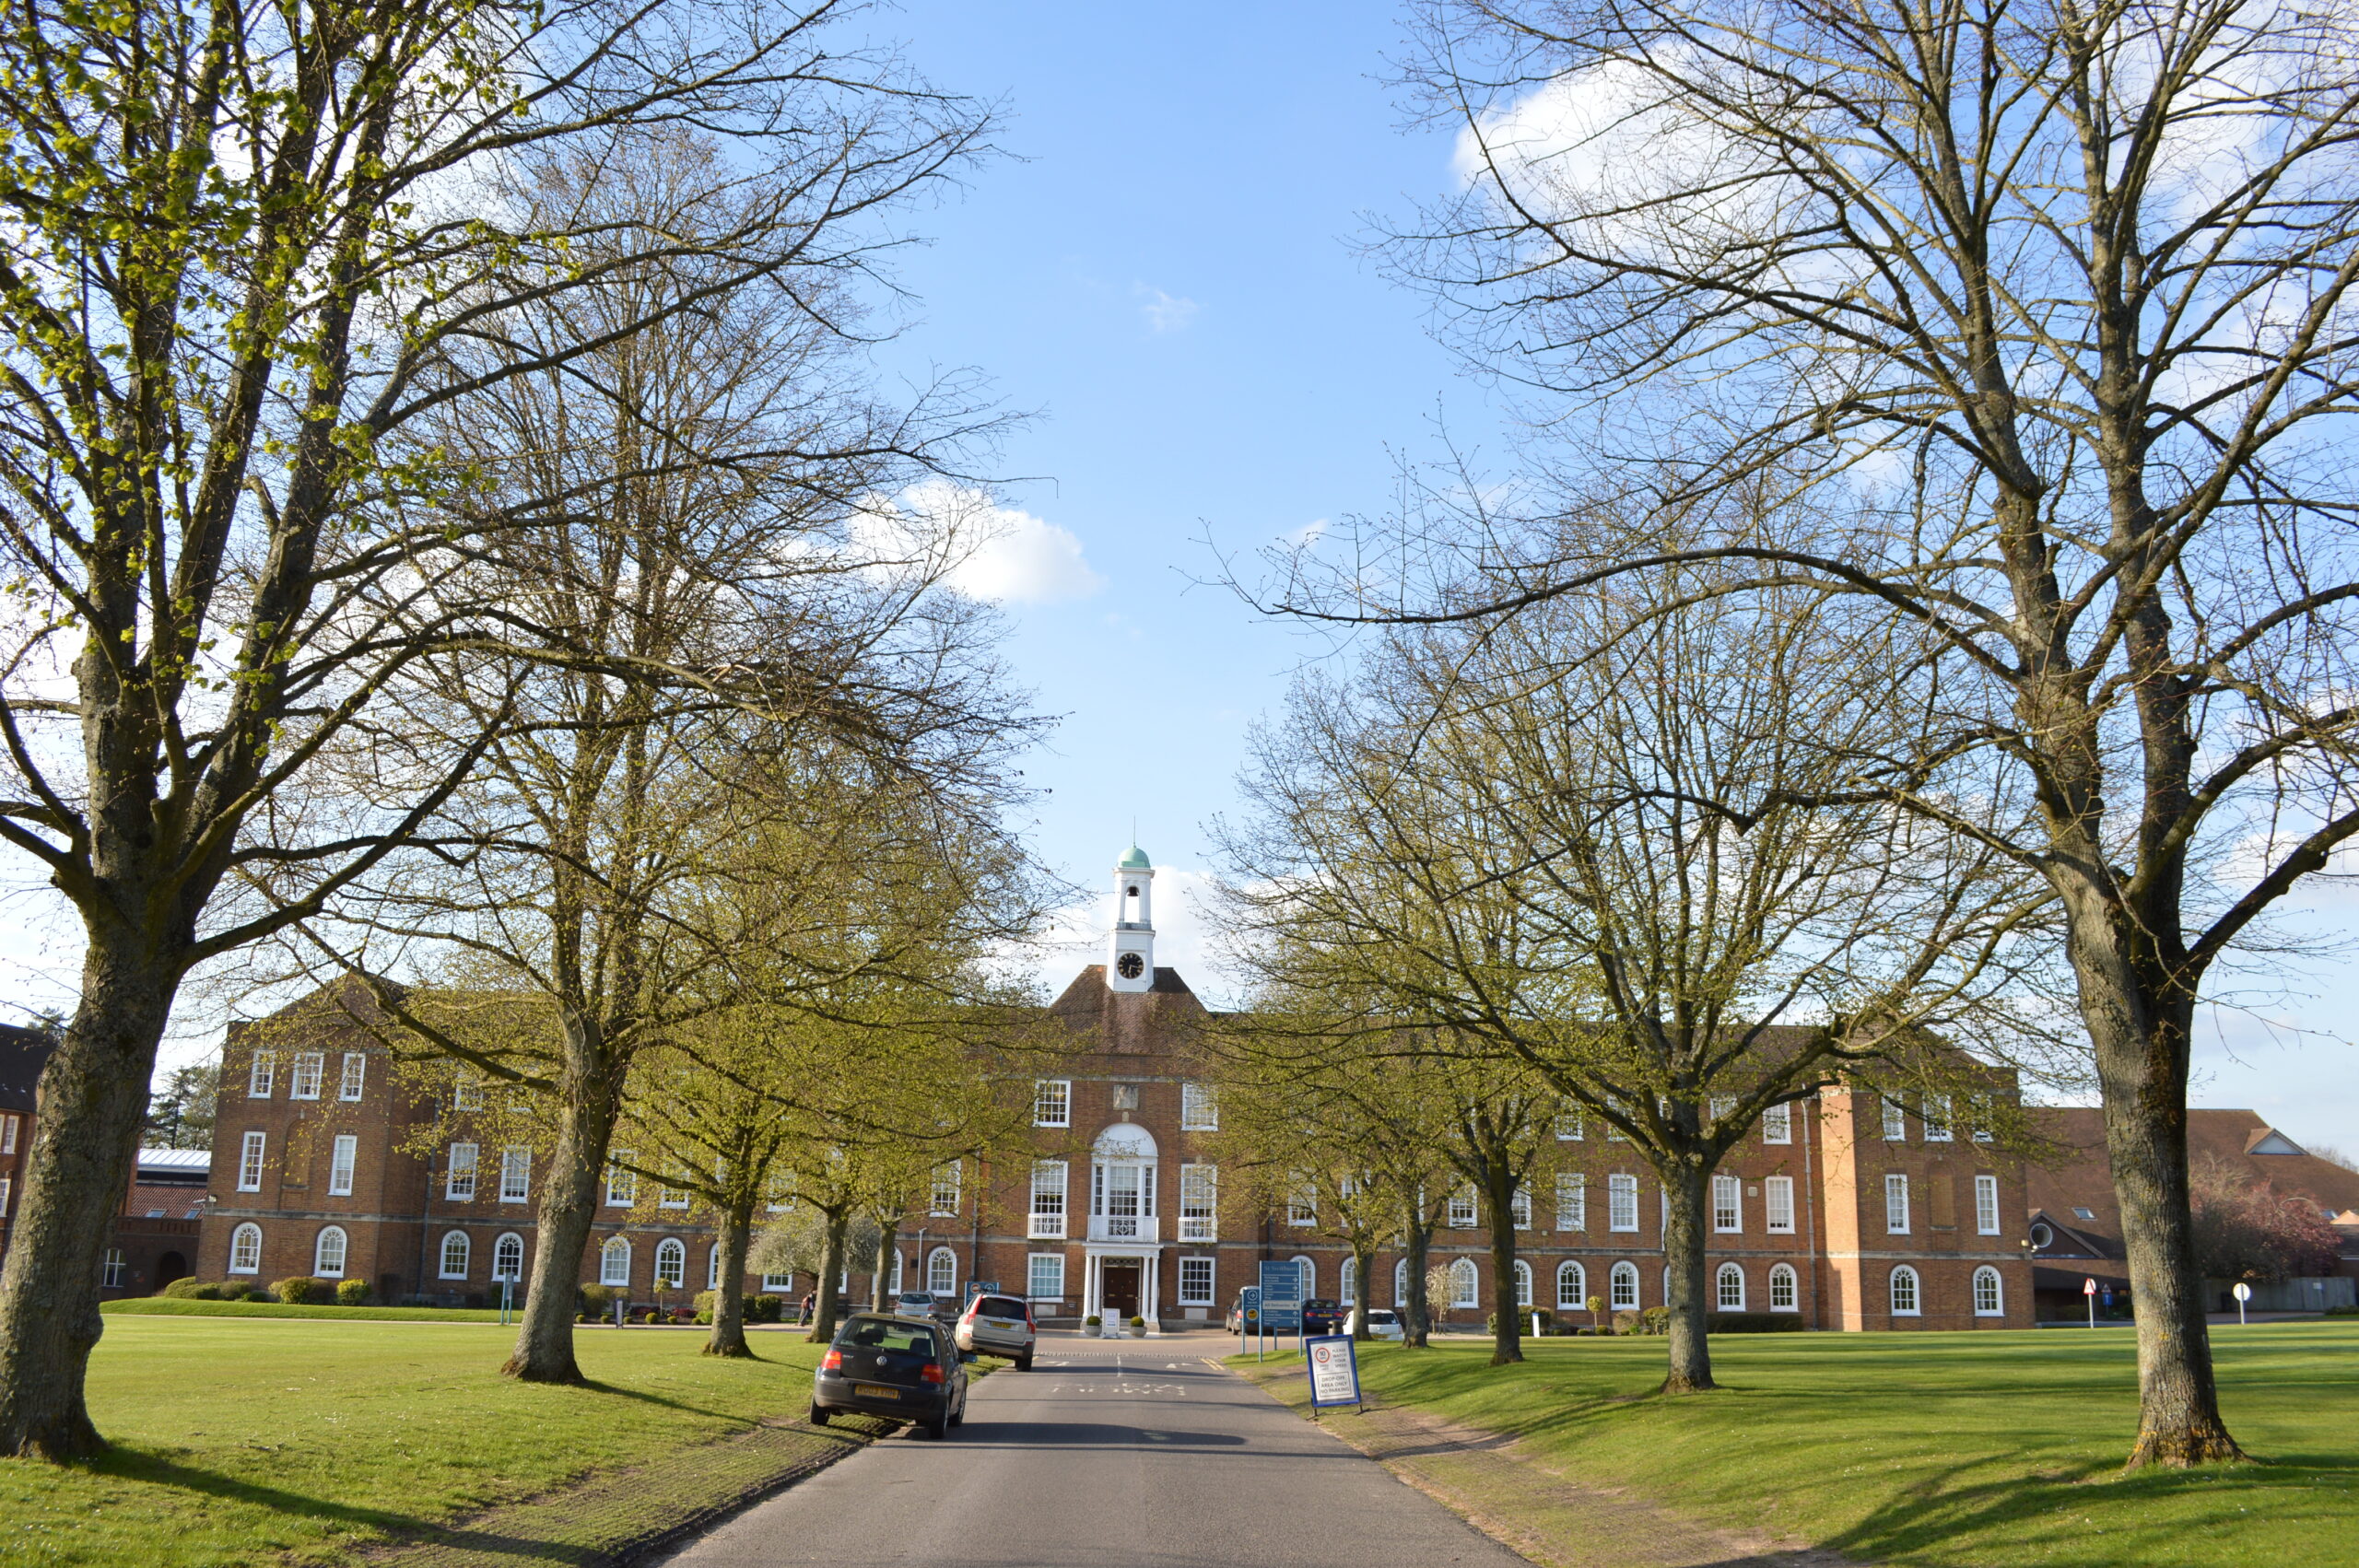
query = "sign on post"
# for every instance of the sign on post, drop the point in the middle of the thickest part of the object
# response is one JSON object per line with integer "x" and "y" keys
{"x": 1280, "y": 1297}
{"x": 1335, "y": 1371}
{"x": 980, "y": 1288}
{"x": 2089, "y": 1288}
{"x": 2243, "y": 1294}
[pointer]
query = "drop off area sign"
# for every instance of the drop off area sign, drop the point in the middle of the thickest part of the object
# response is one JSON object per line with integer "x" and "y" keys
{"x": 1335, "y": 1371}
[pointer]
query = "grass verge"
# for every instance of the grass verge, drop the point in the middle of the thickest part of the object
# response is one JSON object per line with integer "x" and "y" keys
{"x": 238, "y": 1443}
{"x": 175, "y": 1307}
{"x": 1984, "y": 1450}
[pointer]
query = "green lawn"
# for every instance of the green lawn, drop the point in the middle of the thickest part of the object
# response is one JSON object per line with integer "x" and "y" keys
{"x": 239, "y": 1440}
{"x": 174, "y": 1306}
{"x": 1979, "y": 1450}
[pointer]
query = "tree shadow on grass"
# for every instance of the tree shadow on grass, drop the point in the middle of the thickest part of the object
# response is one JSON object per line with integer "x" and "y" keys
{"x": 133, "y": 1465}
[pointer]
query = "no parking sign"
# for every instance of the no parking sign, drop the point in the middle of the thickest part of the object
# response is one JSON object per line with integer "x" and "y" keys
{"x": 1335, "y": 1371}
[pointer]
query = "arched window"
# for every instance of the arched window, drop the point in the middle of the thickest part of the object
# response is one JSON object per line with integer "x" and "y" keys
{"x": 1309, "y": 1275}
{"x": 1904, "y": 1291}
{"x": 1623, "y": 1296}
{"x": 1347, "y": 1289}
{"x": 1572, "y": 1287}
{"x": 1782, "y": 1296}
{"x": 614, "y": 1262}
{"x": 328, "y": 1253}
{"x": 941, "y": 1271}
{"x": 1465, "y": 1284}
{"x": 1401, "y": 1283}
{"x": 712, "y": 1267}
{"x": 1522, "y": 1282}
{"x": 1729, "y": 1288}
{"x": 456, "y": 1249}
{"x": 671, "y": 1263}
{"x": 507, "y": 1256}
{"x": 245, "y": 1250}
{"x": 1989, "y": 1295}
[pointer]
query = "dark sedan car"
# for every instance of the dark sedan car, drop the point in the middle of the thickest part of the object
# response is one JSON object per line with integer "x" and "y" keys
{"x": 1321, "y": 1315}
{"x": 905, "y": 1368}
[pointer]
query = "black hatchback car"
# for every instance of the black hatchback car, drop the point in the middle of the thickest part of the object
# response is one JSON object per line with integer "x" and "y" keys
{"x": 901, "y": 1367}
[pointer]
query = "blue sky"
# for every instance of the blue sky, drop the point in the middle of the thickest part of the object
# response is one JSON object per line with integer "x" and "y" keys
{"x": 1167, "y": 270}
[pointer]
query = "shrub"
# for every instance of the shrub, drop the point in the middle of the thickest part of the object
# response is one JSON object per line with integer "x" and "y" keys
{"x": 351, "y": 1292}
{"x": 765, "y": 1308}
{"x": 1655, "y": 1320}
{"x": 193, "y": 1289}
{"x": 708, "y": 1305}
{"x": 1752, "y": 1323}
{"x": 1092, "y": 1321}
{"x": 2342, "y": 1312}
{"x": 298, "y": 1289}
{"x": 238, "y": 1290}
{"x": 1625, "y": 1322}
{"x": 598, "y": 1301}
{"x": 1137, "y": 1322}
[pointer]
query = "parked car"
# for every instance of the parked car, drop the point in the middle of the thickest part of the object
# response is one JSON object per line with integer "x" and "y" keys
{"x": 1239, "y": 1321}
{"x": 925, "y": 1303}
{"x": 1321, "y": 1315}
{"x": 1383, "y": 1322}
{"x": 894, "y": 1365}
{"x": 999, "y": 1326}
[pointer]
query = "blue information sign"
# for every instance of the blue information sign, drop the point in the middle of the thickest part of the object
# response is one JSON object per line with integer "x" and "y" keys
{"x": 1334, "y": 1370}
{"x": 1282, "y": 1297}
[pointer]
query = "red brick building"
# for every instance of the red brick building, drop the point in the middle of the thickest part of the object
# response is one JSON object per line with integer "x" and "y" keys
{"x": 1845, "y": 1211}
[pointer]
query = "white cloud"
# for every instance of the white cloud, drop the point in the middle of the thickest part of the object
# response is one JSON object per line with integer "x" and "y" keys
{"x": 1165, "y": 312}
{"x": 994, "y": 552}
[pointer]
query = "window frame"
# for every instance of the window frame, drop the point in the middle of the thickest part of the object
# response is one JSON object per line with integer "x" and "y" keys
{"x": 1302, "y": 1200}
{"x": 516, "y": 1172}
{"x": 1778, "y": 1123}
{"x": 1209, "y": 1266}
{"x": 1462, "y": 1210}
{"x": 499, "y": 1244}
{"x": 1720, "y": 1278}
{"x": 111, "y": 1269}
{"x": 1523, "y": 1283}
{"x": 1572, "y": 1122}
{"x": 352, "y": 1081}
{"x": 466, "y": 1092}
{"x": 1199, "y": 1201}
{"x": 671, "y": 1264}
{"x": 309, "y": 1076}
{"x": 1199, "y": 1106}
{"x": 1042, "y": 1224}
{"x": 1520, "y": 1209}
{"x": 1621, "y": 1190}
{"x": 262, "y": 1075}
{"x": 1896, "y": 1120}
{"x": 941, "y": 1254}
{"x": 453, "y": 1169}
{"x": 1579, "y": 1276}
{"x": 253, "y": 1149}
{"x": 248, "y": 1232}
{"x": 1998, "y": 1307}
{"x": 1784, "y": 1275}
{"x": 1466, "y": 1285}
{"x": 1915, "y": 1293}
{"x": 1778, "y": 1192}
{"x": 1572, "y": 1200}
{"x": 1940, "y": 1125}
{"x": 466, "y": 1246}
{"x": 1061, "y": 1113}
{"x": 1986, "y": 1205}
{"x": 1728, "y": 1204}
{"x": 1896, "y": 1216}
{"x": 1032, "y": 1268}
{"x": 621, "y": 1180}
{"x": 343, "y": 1160}
{"x": 936, "y": 1206}
{"x": 7, "y": 1132}
{"x": 320, "y": 1269}
{"x": 1623, "y": 1270}
{"x": 614, "y": 1248}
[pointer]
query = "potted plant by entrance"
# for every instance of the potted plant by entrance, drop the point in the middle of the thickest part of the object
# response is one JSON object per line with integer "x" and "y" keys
{"x": 1090, "y": 1322}
{"x": 1138, "y": 1326}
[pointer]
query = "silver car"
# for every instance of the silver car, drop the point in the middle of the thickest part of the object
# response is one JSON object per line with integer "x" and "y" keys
{"x": 999, "y": 1326}
{"x": 924, "y": 1304}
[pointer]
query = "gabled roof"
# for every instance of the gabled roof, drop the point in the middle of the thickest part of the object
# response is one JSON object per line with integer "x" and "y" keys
{"x": 2080, "y": 1178}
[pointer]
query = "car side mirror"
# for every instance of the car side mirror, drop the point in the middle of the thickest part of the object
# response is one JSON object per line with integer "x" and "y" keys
{"x": 965, "y": 1355}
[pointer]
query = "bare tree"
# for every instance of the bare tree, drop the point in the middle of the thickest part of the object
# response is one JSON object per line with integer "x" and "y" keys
{"x": 2067, "y": 290}
{"x": 243, "y": 250}
{"x": 1612, "y": 874}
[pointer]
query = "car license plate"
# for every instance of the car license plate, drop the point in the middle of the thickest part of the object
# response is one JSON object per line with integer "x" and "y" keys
{"x": 870, "y": 1391}
{"x": 999, "y": 1323}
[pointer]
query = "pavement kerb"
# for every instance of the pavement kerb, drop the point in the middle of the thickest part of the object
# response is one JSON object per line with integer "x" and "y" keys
{"x": 1539, "y": 1513}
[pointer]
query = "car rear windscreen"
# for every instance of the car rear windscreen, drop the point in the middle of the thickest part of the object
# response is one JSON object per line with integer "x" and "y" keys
{"x": 876, "y": 1334}
{"x": 999, "y": 1306}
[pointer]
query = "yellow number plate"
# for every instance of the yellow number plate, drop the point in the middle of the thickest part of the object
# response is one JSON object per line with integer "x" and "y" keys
{"x": 870, "y": 1391}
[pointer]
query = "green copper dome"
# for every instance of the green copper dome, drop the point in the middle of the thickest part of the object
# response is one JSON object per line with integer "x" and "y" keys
{"x": 1134, "y": 859}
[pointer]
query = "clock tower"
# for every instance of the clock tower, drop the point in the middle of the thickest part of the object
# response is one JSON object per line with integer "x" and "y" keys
{"x": 1130, "y": 955}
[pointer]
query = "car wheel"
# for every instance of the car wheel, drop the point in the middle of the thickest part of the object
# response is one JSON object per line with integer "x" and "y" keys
{"x": 818, "y": 1414}
{"x": 1024, "y": 1362}
{"x": 938, "y": 1429}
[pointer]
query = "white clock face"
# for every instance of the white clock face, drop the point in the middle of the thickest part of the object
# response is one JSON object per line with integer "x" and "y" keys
{"x": 1130, "y": 966}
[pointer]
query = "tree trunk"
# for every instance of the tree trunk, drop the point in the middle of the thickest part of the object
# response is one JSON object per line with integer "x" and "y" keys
{"x": 1506, "y": 1316}
{"x": 2142, "y": 1060}
{"x": 831, "y": 1270}
{"x": 1683, "y": 1251}
{"x": 1416, "y": 1321}
{"x": 1364, "y": 1269}
{"x": 567, "y": 1206}
{"x": 93, "y": 1104}
{"x": 888, "y": 1236}
{"x": 728, "y": 1336}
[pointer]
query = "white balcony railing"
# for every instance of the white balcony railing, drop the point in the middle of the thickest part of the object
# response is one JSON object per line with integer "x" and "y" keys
{"x": 1124, "y": 1227}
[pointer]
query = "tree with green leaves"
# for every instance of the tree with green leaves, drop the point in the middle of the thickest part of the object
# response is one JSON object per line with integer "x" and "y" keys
{"x": 245, "y": 253}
